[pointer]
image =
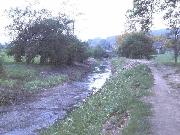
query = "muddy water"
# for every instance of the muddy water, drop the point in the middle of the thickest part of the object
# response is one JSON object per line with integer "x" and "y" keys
{"x": 51, "y": 105}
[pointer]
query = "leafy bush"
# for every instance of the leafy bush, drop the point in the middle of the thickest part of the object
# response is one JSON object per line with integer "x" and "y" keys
{"x": 137, "y": 46}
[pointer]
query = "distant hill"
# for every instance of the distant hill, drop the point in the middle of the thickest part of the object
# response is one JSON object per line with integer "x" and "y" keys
{"x": 159, "y": 32}
{"x": 106, "y": 43}
{"x": 109, "y": 42}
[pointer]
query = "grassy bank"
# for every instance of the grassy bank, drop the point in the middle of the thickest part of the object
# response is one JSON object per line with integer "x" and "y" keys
{"x": 122, "y": 93}
{"x": 21, "y": 80}
{"x": 29, "y": 77}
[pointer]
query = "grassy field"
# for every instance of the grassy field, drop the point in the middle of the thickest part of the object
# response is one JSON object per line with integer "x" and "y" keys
{"x": 167, "y": 58}
{"x": 122, "y": 93}
{"x": 29, "y": 78}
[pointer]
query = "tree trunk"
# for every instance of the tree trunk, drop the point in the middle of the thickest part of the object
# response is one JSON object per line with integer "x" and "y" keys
{"x": 175, "y": 54}
{"x": 43, "y": 60}
{"x": 175, "y": 59}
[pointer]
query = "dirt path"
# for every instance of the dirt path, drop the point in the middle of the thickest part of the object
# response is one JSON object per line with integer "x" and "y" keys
{"x": 49, "y": 106}
{"x": 165, "y": 101}
{"x": 166, "y": 106}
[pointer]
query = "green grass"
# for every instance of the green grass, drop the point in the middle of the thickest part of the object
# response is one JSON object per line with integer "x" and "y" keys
{"x": 45, "y": 83}
{"x": 167, "y": 58}
{"x": 121, "y": 93}
{"x": 28, "y": 78}
{"x": 23, "y": 78}
{"x": 6, "y": 83}
{"x": 20, "y": 71}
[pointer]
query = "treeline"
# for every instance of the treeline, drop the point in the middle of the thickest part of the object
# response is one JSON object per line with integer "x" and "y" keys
{"x": 36, "y": 33}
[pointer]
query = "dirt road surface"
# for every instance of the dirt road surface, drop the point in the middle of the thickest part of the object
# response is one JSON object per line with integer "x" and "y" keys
{"x": 165, "y": 100}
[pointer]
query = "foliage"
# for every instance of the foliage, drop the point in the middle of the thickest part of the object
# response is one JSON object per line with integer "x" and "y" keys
{"x": 141, "y": 15}
{"x": 160, "y": 38}
{"x": 120, "y": 38}
{"x": 120, "y": 94}
{"x": 42, "y": 35}
{"x": 172, "y": 16}
{"x": 6, "y": 59}
{"x": 98, "y": 52}
{"x": 136, "y": 45}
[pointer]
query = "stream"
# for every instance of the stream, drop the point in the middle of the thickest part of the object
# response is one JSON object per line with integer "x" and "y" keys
{"x": 52, "y": 105}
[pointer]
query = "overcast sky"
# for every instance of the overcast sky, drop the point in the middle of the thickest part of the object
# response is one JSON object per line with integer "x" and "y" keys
{"x": 99, "y": 18}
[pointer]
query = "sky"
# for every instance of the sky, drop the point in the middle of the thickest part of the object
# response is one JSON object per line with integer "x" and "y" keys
{"x": 93, "y": 18}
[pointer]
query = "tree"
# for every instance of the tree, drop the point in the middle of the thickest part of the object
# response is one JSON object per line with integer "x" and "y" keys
{"x": 98, "y": 52}
{"x": 172, "y": 16}
{"x": 51, "y": 38}
{"x": 141, "y": 15}
{"x": 137, "y": 46}
{"x": 22, "y": 20}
